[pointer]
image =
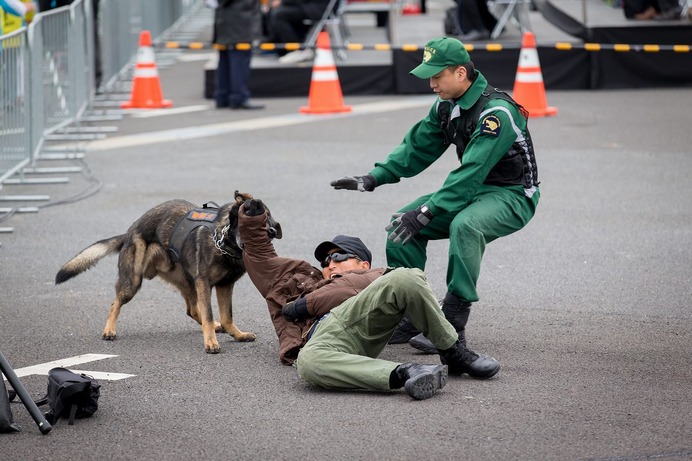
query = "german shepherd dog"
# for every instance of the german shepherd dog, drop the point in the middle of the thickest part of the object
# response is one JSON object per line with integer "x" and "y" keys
{"x": 206, "y": 254}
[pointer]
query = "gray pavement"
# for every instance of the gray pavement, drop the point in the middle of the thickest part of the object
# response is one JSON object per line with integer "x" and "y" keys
{"x": 587, "y": 308}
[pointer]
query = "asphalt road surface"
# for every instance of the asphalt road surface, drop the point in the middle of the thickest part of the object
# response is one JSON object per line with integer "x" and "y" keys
{"x": 587, "y": 308}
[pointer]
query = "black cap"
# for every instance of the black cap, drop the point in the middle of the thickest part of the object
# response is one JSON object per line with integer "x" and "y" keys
{"x": 346, "y": 244}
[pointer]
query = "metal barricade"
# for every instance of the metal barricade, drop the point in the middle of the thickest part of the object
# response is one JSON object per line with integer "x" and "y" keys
{"x": 49, "y": 72}
{"x": 55, "y": 53}
{"x": 56, "y": 68}
{"x": 122, "y": 21}
{"x": 15, "y": 127}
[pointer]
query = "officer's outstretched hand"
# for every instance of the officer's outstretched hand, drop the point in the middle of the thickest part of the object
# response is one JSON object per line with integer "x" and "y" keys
{"x": 359, "y": 183}
{"x": 406, "y": 226}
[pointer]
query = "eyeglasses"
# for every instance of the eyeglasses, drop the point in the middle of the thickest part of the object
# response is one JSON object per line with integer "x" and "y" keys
{"x": 337, "y": 258}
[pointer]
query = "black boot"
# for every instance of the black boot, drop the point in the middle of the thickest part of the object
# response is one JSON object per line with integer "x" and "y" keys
{"x": 420, "y": 381}
{"x": 457, "y": 313}
{"x": 403, "y": 331}
{"x": 461, "y": 359}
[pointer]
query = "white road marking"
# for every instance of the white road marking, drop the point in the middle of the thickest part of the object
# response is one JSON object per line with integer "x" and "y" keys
{"x": 149, "y": 113}
{"x": 193, "y": 57}
{"x": 219, "y": 129}
{"x": 102, "y": 375}
{"x": 42, "y": 368}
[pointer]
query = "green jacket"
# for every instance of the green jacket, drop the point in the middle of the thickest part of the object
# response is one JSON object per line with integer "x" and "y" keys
{"x": 425, "y": 143}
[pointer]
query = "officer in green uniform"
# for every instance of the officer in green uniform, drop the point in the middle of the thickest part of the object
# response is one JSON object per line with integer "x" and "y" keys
{"x": 492, "y": 193}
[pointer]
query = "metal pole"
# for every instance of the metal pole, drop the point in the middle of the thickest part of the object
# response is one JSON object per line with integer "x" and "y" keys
{"x": 583, "y": 12}
{"x": 6, "y": 369}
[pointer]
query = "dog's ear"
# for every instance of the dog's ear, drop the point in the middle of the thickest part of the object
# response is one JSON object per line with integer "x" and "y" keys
{"x": 233, "y": 215}
{"x": 241, "y": 197}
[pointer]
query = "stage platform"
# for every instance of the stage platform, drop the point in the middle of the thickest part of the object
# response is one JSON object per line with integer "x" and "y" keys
{"x": 595, "y": 21}
{"x": 581, "y": 45}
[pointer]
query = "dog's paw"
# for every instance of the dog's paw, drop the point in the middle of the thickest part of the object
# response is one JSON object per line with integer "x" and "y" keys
{"x": 242, "y": 336}
{"x": 253, "y": 207}
{"x": 108, "y": 335}
{"x": 212, "y": 347}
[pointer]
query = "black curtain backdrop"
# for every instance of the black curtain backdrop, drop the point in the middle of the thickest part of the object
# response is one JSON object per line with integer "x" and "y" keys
{"x": 575, "y": 69}
{"x": 565, "y": 70}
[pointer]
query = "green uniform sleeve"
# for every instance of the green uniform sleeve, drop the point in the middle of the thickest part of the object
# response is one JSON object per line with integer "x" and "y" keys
{"x": 500, "y": 124}
{"x": 423, "y": 144}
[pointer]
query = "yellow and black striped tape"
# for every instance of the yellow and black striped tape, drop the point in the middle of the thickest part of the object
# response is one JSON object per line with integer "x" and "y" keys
{"x": 564, "y": 46}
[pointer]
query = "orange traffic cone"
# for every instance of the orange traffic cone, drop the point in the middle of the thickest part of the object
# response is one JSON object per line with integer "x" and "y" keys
{"x": 325, "y": 90}
{"x": 529, "y": 90}
{"x": 146, "y": 88}
{"x": 411, "y": 8}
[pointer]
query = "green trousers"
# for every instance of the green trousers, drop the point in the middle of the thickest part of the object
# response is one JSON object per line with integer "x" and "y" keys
{"x": 493, "y": 213}
{"x": 342, "y": 352}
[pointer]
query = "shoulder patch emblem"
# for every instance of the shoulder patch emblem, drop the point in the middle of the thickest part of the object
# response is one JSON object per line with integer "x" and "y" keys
{"x": 490, "y": 125}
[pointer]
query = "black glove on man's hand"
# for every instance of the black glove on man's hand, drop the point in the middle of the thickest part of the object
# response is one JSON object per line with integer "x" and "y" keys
{"x": 295, "y": 310}
{"x": 359, "y": 183}
{"x": 408, "y": 225}
{"x": 253, "y": 207}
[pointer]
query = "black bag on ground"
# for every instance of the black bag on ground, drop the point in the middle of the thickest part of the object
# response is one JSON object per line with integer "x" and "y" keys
{"x": 7, "y": 423}
{"x": 71, "y": 395}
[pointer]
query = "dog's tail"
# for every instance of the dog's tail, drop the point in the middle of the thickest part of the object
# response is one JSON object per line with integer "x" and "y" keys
{"x": 88, "y": 257}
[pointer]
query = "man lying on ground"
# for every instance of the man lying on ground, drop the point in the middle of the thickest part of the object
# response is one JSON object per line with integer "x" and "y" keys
{"x": 333, "y": 324}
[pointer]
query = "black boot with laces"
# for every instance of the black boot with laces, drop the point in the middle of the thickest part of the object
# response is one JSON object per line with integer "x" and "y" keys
{"x": 456, "y": 312}
{"x": 420, "y": 381}
{"x": 460, "y": 359}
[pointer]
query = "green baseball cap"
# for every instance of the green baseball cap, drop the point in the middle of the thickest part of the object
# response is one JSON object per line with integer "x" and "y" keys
{"x": 439, "y": 54}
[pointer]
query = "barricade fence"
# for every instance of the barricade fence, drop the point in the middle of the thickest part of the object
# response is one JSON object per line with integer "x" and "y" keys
{"x": 15, "y": 135}
{"x": 51, "y": 69}
{"x": 564, "y": 46}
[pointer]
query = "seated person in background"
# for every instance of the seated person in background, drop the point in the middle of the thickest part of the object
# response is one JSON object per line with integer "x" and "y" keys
{"x": 332, "y": 324}
{"x": 475, "y": 20}
{"x": 286, "y": 24}
{"x": 651, "y": 9}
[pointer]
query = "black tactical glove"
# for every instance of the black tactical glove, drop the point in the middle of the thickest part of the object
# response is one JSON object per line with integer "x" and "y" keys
{"x": 407, "y": 225}
{"x": 295, "y": 310}
{"x": 359, "y": 183}
{"x": 253, "y": 207}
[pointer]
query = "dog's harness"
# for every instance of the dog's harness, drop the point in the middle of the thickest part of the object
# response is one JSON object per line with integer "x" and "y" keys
{"x": 206, "y": 217}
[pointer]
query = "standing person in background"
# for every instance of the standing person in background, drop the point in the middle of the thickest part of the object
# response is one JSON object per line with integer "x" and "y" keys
{"x": 235, "y": 21}
{"x": 491, "y": 194}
